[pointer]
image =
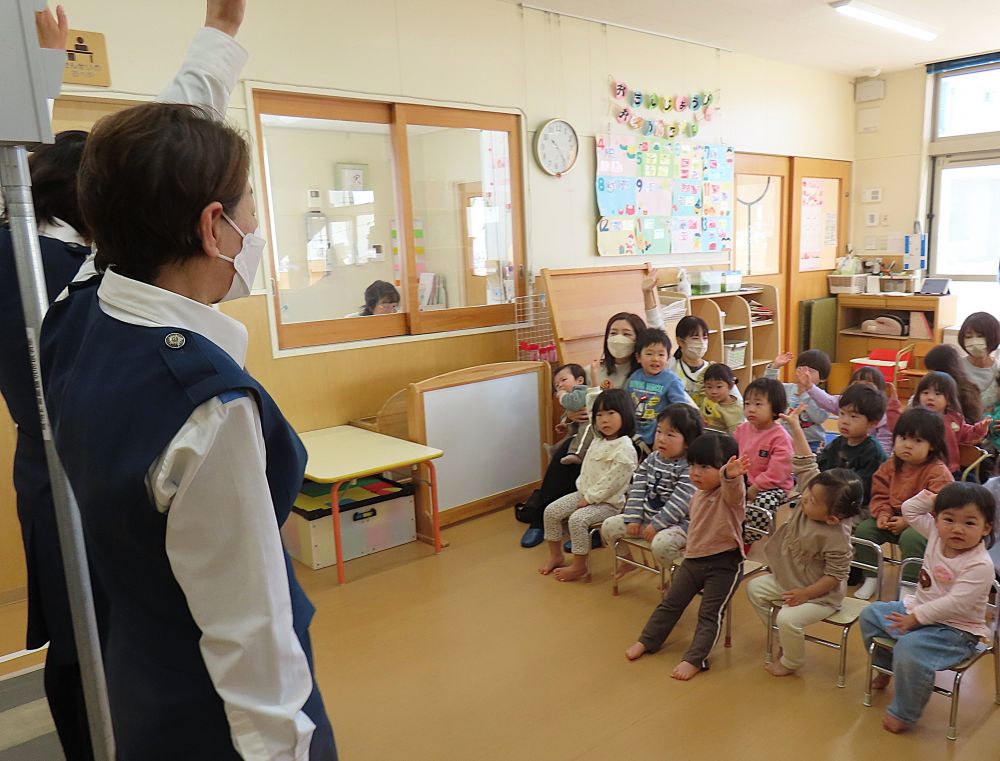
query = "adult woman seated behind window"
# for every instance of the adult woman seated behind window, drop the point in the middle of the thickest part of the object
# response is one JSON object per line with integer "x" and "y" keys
{"x": 381, "y": 297}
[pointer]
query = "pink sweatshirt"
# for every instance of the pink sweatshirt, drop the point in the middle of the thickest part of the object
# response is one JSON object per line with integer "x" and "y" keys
{"x": 956, "y": 431}
{"x": 950, "y": 591}
{"x": 770, "y": 453}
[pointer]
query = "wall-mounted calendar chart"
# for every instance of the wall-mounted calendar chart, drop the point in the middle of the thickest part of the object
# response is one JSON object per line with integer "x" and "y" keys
{"x": 661, "y": 197}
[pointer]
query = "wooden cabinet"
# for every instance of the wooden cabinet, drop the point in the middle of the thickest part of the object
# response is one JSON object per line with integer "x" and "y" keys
{"x": 728, "y": 318}
{"x": 853, "y": 309}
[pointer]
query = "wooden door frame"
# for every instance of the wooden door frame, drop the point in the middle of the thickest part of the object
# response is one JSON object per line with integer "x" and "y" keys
{"x": 466, "y": 192}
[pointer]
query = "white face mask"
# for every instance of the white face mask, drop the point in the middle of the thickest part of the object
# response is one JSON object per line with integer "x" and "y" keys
{"x": 976, "y": 347}
{"x": 694, "y": 348}
{"x": 245, "y": 262}
{"x": 621, "y": 346}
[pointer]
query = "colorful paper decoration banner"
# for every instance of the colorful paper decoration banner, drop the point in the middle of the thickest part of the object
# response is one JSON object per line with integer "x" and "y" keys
{"x": 659, "y": 197}
{"x": 691, "y": 109}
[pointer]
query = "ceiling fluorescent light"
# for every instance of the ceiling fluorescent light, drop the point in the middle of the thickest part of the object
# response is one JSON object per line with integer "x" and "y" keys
{"x": 884, "y": 19}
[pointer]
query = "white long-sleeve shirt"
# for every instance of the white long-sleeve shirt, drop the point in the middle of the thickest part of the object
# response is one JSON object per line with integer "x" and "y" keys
{"x": 222, "y": 540}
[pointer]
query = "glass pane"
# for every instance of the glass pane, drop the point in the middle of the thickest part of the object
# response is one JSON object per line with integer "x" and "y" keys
{"x": 332, "y": 206}
{"x": 968, "y": 225}
{"x": 460, "y": 182}
{"x": 819, "y": 204}
{"x": 969, "y": 104}
{"x": 757, "y": 238}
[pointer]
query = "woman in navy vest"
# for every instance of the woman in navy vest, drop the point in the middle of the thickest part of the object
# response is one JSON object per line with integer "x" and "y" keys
{"x": 182, "y": 464}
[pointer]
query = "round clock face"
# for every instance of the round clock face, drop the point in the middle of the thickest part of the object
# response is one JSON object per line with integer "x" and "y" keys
{"x": 556, "y": 147}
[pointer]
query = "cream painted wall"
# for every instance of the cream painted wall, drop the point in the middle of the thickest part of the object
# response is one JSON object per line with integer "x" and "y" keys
{"x": 893, "y": 159}
{"x": 494, "y": 53}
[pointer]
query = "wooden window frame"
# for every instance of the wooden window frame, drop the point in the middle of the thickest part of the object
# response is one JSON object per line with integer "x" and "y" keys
{"x": 410, "y": 320}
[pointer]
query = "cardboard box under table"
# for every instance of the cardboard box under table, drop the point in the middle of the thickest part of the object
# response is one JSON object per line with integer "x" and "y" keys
{"x": 375, "y": 514}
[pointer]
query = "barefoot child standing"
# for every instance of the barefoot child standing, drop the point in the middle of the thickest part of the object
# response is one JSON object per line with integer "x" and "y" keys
{"x": 713, "y": 560}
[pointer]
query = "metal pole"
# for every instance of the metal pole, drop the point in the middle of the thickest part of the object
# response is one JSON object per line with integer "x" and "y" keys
{"x": 16, "y": 183}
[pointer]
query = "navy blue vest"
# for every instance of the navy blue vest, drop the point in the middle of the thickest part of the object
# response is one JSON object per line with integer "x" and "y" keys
{"x": 48, "y": 605}
{"x": 117, "y": 394}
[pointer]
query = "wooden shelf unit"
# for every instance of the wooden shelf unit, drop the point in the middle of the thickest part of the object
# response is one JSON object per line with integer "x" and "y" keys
{"x": 728, "y": 318}
{"x": 853, "y": 309}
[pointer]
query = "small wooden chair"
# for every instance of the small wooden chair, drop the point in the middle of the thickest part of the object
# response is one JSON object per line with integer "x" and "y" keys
{"x": 970, "y": 459}
{"x": 991, "y": 648}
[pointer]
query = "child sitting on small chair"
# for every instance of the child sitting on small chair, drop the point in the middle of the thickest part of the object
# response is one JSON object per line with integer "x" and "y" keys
{"x": 657, "y": 504}
{"x": 810, "y": 555}
{"x": 939, "y": 626}
{"x": 713, "y": 560}
{"x": 601, "y": 486}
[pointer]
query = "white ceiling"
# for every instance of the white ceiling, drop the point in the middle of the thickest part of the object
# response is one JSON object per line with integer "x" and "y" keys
{"x": 807, "y": 32}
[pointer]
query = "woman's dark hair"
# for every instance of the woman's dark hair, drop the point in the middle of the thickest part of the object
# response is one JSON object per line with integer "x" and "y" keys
{"x": 575, "y": 370}
{"x": 54, "y": 168}
{"x": 943, "y": 384}
{"x": 865, "y": 400}
{"x": 615, "y": 400}
{"x": 985, "y": 325}
{"x": 719, "y": 372}
{"x": 869, "y": 375}
{"x": 687, "y": 327}
{"x": 652, "y": 337}
{"x": 378, "y": 292}
{"x": 771, "y": 389}
{"x": 147, "y": 174}
{"x": 712, "y": 450}
{"x": 921, "y": 423}
{"x": 944, "y": 358}
{"x": 637, "y": 326}
{"x": 962, "y": 493}
{"x": 817, "y": 360}
{"x": 844, "y": 491}
{"x": 684, "y": 419}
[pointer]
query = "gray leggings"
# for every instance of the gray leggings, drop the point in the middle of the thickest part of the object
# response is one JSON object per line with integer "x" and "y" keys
{"x": 579, "y": 518}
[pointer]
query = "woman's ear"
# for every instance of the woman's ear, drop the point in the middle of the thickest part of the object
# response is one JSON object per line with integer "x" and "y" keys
{"x": 207, "y": 221}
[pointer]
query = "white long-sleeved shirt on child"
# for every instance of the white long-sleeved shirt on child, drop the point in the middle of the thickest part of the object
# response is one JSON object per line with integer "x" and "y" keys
{"x": 661, "y": 493}
{"x": 607, "y": 470}
{"x": 950, "y": 591}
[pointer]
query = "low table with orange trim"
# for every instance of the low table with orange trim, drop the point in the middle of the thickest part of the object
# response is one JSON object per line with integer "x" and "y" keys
{"x": 343, "y": 453}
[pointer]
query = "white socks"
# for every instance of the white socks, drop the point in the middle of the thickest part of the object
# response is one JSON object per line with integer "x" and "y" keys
{"x": 866, "y": 590}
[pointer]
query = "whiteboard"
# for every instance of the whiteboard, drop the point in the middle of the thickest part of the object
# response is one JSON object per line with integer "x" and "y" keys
{"x": 489, "y": 432}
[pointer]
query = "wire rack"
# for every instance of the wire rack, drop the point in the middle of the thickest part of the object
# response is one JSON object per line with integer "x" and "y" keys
{"x": 533, "y": 336}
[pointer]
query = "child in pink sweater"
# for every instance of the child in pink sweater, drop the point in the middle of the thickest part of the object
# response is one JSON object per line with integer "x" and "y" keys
{"x": 767, "y": 444}
{"x": 939, "y": 626}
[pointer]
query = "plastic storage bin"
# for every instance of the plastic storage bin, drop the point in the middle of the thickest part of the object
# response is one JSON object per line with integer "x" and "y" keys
{"x": 732, "y": 281}
{"x": 734, "y": 354}
{"x": 846, "y": 283}
{"x": 375, "y": 514}
{"x": 706, "y": 282}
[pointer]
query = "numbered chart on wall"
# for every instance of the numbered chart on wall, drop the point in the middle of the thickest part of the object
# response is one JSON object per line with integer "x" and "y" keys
{"x": 660, "y": 197}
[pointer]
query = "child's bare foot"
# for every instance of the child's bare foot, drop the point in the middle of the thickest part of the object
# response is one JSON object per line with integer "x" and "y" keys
{"x": 666, "y": 588}
{"x": 635, "y": 651}
{"x": 684, "y": 671}
{"x": 777, "y": 668}
{"x": 880, "y": 682}
{"x": 571, "y": 572}
{"x": 624, "y": 570}
{"x": 552, "y": 564}
{"x": 892, "y": 724}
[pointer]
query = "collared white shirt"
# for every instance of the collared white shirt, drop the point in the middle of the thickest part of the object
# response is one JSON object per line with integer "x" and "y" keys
{"x": 222, "y": 540}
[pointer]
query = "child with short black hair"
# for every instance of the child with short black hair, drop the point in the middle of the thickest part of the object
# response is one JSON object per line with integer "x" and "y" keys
{"x": 941, "y": 625}
{"x": 721, "y": 408}
{"x": 713, "y": 560}
{"x": 871, "y": 376}
{"x": 604, "y": 479}
{"x": 815, "y": 366}
{"x": 769, "y": 448}
{"x": 657, "y": 504}
{"x": 810, "y": 555}
{"x": 861, "y": 407}
{"x": 570, "y": 383}
{"x": 652, "y": 387}
{"x": 918, "y": 463}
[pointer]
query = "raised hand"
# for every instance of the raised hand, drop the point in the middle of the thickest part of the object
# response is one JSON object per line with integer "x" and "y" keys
{"x": 650, "y": 279}
{"x": 52, "y": 30}
{"x": 804, "y": 378}
{"x": 736, "y": 467}
{"x": 225, "y": 15}
{"x": 792, "y": 416}
{"x": 890, "y": 391}
{"x": 782, "y": 359}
